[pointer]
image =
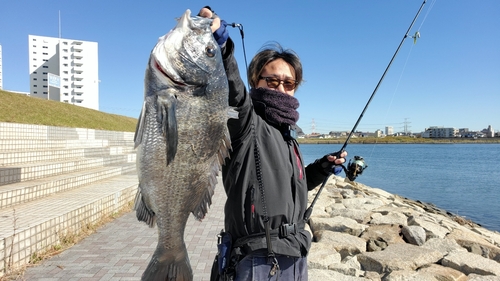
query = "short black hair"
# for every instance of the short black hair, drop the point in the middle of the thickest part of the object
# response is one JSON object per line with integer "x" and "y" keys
{"x": 271, "y": 52}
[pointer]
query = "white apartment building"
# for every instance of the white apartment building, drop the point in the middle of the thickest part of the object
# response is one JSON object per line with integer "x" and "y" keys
{"x": 440, "y": 132}
{"x": 1, "y": 77}
{"x": 76, "y": 64}
{"x": 389, "y": 131}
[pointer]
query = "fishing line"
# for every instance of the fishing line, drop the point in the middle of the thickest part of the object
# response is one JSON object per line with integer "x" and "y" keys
{"x": 240, "y": 27}
{"x": 404, "y": 67}
{"x": 358, "y": 165}
{"x": 426, "y": 14}
{"x": 393, "y": 95}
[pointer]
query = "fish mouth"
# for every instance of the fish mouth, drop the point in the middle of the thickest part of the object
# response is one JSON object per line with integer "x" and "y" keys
{"x": 175, "y": 82}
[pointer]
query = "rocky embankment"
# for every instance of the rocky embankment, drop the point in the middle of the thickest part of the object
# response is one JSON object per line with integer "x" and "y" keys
{"x": 365, "y": 233}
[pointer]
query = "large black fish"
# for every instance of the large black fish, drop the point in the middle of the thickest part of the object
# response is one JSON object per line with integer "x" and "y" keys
{"x": 181, "y": 138}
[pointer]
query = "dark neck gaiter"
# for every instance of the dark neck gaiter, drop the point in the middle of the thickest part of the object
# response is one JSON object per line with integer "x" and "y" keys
{"x": 275, "y": 107}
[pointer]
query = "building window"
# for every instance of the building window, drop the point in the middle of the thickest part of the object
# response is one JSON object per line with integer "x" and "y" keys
{"x": 34, "y": 39}
{"x": 45, "y": 53}
{"x": 34, "y": 59}
{"x": 45, "y": 73}
{"x": 44, "y": 79}
{"x": 45, "y": 66}
{"x": 45, "y": 86}
{"x": 44, "y": 93}
{"x": 34, "y": 79}
{"x": 45, "y": 47}
{"x": 34, "y": 53}
{"x": 35, "y": 92}
{"x": 35, "y": 86}
{"x": 34, "y": 65}
{"x": 34, "y": 46}
{"x": 45, "y": 60}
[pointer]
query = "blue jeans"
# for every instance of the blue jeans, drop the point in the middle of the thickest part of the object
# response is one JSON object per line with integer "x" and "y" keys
{"x": 256, "y": 267}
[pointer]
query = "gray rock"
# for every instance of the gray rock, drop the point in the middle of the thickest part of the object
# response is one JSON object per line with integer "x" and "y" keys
{"x": 389, "y": 218}
{"x": 360, "y": 216}
{"x": 398, "y": 257}
{"x": 359, "y": 232}
{"x": 442, "y": 273}
{"x": 491, "y": 236}
{"x": 322, "y": 255}
{"x": 414, "y": 234}
{"x": 431, "y": 226}
{"x": 477, "y": 277}
{"x": 471, "y": 263}
{"x": 345, "y": 244}
{"x": 378, "y": 237}
{"x": 319, "y": 274}
{"x": 475, "y": 243}
{"x": 445, "y": 246}
{"x": 338, "y": 224}
{"x": 409, "y": 275}
{"x": 386, "y": 209}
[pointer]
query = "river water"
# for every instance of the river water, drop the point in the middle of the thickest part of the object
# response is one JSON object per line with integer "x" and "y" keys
{"x": 463, "y": 179}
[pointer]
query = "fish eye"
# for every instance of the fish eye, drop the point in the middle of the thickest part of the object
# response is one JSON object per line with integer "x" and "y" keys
{"x": 210, "y": 51}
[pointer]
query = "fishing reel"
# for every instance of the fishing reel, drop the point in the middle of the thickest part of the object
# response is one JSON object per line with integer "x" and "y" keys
{"x": 355, "y": 168}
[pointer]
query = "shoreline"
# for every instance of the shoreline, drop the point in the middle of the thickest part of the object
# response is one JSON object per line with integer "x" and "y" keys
{"x": 386, "y": 141}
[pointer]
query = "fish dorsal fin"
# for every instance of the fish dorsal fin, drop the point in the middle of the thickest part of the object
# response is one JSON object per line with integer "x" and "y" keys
{"x": 140, "y": 126}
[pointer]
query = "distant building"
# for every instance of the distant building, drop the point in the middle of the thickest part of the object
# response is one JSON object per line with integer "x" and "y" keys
{"x": 389, "y": 131}
{"x": 489, "y": 132}
{"x": 75, "y": 62}
{"x": 337, "y": 134}
{"x": 440, "y": 132}
{"x": 1, "y": 77}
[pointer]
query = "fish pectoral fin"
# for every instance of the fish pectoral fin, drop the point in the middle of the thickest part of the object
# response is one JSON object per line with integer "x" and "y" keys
{"x": 201, "y": 208}
{"x": 166, "y": 106}
{"x": 142, "y": 211}
{"x": 140, "y": 126}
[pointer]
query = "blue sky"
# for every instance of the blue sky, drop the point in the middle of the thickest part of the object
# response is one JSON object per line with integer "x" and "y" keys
{"x": 450, "y": 77}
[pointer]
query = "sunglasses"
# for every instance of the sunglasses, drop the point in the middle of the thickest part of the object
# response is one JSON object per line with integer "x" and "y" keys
{"x": 273, "y": 83}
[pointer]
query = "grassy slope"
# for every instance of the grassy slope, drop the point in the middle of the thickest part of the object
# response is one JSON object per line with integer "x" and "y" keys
{"x": 18, "y": 108}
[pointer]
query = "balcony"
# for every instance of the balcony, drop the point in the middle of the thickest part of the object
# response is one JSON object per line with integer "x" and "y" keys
{"x": 77, "y": 46}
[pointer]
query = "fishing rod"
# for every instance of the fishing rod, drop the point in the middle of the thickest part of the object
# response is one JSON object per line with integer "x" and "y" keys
{"x": 356, "y": 168}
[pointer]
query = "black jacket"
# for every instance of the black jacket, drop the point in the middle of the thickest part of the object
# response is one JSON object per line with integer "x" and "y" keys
{"x": 284, "y": 177}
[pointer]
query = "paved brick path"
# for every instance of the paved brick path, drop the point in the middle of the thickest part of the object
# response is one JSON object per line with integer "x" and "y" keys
{"x": 121, "y": 249}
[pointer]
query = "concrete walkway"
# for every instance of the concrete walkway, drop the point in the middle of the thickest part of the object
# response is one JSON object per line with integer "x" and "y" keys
{"x": 121, "y": 249}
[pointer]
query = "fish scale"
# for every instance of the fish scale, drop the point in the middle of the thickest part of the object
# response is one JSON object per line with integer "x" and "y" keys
{"x": 181, "y": 139}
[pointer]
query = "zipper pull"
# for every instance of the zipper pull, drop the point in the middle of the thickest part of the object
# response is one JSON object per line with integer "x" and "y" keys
{"x": 275, "y": 267}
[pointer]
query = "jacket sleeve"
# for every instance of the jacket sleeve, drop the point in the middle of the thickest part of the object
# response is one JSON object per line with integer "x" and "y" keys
{"x": 315, "y": 174}
{"x": 237, "y": 90}
{"x": 238, "y": 96}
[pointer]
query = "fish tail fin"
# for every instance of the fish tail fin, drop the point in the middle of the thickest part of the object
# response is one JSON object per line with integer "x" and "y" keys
{"x": 142, "y": 212}
{"x": 169, "y": 265}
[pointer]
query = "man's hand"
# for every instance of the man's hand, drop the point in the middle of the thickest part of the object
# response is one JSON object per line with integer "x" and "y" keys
{"x": 207, "y": 13}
